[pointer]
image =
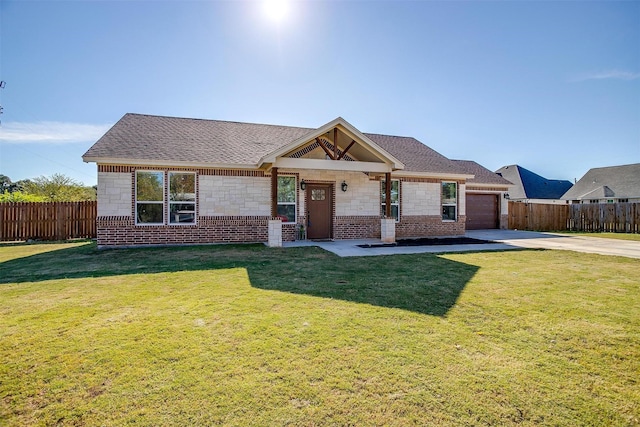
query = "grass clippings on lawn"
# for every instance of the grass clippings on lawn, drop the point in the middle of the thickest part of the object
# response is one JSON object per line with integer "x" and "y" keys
{"x": 248, "y": 335}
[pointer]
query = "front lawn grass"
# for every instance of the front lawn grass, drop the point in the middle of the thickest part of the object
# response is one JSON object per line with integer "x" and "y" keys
{"x": 248, "y": 335}
{"x": 619, "y": 236}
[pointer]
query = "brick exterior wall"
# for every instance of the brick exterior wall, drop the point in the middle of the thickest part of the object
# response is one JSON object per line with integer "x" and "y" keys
{"x": 234, "y": 206}
{"x": 121, "y": 231}
{"x": 356, "y": 227}
{"x": 428, "y": 226}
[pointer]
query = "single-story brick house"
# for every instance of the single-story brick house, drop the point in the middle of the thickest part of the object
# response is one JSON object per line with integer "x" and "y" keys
{"x": 168, "y": 180}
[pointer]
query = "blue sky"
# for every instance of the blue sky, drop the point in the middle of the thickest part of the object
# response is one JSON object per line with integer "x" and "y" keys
{"x": 551, "y": 86}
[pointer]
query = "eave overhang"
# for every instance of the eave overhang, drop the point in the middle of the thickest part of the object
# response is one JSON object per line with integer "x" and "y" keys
{"x": 158, "y": 163}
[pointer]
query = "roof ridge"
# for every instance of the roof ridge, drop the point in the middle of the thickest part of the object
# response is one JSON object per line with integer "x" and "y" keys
{"x": 215, "y": 120}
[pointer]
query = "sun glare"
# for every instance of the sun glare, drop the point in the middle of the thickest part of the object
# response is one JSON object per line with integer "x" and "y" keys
{"x": 276, "y": 10}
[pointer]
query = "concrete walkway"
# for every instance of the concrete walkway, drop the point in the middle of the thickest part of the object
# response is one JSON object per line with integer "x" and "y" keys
{"x": 504, "y": 240}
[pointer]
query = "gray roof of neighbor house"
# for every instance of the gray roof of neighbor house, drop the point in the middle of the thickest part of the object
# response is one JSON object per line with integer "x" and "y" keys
{"x": 482, "y": 174}
{"x": 171, "y": 139}
{"x": 621, "y": 182}
{"x": 529, "y": 185}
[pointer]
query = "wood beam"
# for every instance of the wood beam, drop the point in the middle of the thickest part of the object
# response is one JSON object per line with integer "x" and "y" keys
{"x": 335, "y": 143}
{"x": 325, "y": 148}
{"x": 347, "y": 149}
{"x": 387, "y": 194}
{"x": 274, "y": 192}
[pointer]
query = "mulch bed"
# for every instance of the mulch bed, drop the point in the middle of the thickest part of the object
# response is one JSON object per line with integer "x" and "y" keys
{"x": 429, "y": 242}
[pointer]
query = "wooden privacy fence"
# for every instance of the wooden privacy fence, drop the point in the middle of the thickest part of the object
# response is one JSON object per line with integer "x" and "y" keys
{"x": 539, "y": 217}
{"x": 592, "y": 217}
{"x": 610, "y": 217}
{"x": 47, "y": 221}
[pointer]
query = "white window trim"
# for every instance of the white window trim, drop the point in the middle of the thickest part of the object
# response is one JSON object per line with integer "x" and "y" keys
{"x": 135, "y": 207}
{"x": 442, "y": 203}
{"x": 169, "y": 202}
{"x": 392, "y": 204}
{"x": 295, "y": 196}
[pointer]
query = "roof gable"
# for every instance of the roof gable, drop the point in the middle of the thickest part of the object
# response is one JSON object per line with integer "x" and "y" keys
{"x": 529, "y": 185}
{"x": 613, "y": 181}
{"x": 350, "y": 139}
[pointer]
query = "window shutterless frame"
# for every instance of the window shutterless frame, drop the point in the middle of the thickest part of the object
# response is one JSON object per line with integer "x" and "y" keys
{"x": 287, "y": 199}
{"x": 449, "y": 198}
{"x": 182, "y": 198}
{"x": 149, "y": 196}
{"x": 395, "y": 198}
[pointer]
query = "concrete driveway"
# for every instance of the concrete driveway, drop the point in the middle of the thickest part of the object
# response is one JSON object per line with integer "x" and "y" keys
{"x": 503, "y": 240}
{"x": 535, "y": 240}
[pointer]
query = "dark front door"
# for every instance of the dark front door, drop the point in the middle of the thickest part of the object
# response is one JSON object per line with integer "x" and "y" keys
{"x": 319, "y": 202}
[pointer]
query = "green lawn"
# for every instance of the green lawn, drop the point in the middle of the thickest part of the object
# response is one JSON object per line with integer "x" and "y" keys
{"x": 619, "y": 236}
{"x": 248, "y": 335}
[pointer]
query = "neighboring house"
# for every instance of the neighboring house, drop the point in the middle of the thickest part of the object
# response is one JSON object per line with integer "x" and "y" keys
{"x": 167, "y": 180}
{"x": 611, "y": 184}
{"x": 532, "y": 188}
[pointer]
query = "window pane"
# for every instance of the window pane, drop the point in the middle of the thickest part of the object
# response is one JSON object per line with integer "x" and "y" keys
{"x": 182, "y": 213}
{"x": 449, "y": 190}
{"x": 287, "y": 213}
{"x": 449, "y": 213}
{"x": 286, "y": 189}
{"x": 395, "y": 191}
{"x": 149, "y": 213}
{"x": 182, "y": 187}
{"x": 318, "y": 194}
{"x": 149, "y": 186}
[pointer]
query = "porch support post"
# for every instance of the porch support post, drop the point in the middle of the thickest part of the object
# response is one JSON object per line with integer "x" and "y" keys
{"x": 387, "y": 194}
{"x": 274, "y": 192}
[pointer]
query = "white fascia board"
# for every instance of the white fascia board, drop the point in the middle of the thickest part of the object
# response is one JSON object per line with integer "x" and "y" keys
{"x": 477, "y": 184}
{"x": 346, "y": 128}
{"x": 371, "y": 146}
{"x": 438, "y": 175}
{"x": 333, "y": 165}
{"x": 146, "y": 162}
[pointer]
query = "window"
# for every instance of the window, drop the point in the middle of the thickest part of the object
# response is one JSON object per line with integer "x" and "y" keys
{"x": 182, "y": 197}
{"x": 151, "y": 206}
{"x": 395, "y": 198}
{"x": 449, "y": 201}
{"x": 149, "y": 197}
{"x": 287, "y": 198}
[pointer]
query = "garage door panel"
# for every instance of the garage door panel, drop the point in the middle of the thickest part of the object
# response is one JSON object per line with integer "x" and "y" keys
{"x": 482, "y": 211}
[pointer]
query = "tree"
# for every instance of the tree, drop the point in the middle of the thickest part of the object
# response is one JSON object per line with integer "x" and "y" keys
{"x": 19, "y": 196}
{"x": 58, "y": 188}
{"x": 7, "y": 185}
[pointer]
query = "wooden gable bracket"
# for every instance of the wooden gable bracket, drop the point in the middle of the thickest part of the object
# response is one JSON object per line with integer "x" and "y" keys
{"x": 325, "y": 148}
{"x": 345, "y": 151}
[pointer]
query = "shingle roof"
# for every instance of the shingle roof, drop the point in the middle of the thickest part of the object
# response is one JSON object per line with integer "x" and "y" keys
{"x": 529, "y": 185}
{"x": 482, "y": 174}
{"x": 144, "y": 137}
{"x": 613, "y": 181}
{"x": 172, "y": 139}
{"x": 416, "y": 156}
